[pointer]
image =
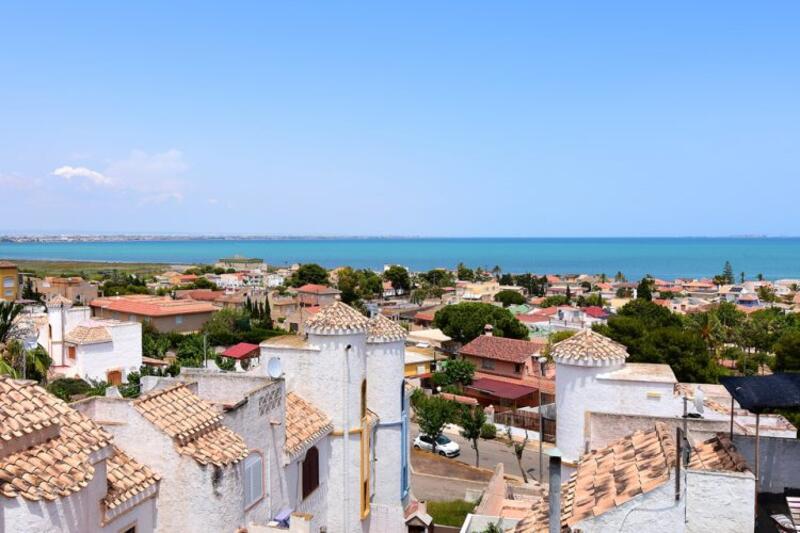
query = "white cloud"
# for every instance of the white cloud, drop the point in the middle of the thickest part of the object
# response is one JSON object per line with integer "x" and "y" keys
{"x": 152, "y": 178}
{"x": 67, "y": 172}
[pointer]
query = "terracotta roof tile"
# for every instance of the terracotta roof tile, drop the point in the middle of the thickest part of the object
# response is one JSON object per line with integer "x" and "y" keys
{"x": 305, "y": 424}
{"x": 88, "y": 332}
{"x": 502, "y": 349}
{"x": 147, "y": 305}
{"x": 126, "y": 478}
{"x": 717, "y": 453}
{"x": 586, "y": 345}
{"x": 58, "y": 464}
{"x": 337, "y": 318}
{"x": 615, "y": 474}
{"x": 381, "y": 329}
{"x": 194, "y": 425}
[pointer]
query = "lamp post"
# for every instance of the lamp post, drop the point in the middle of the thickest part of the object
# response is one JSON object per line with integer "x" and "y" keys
{"x": 542, "y": 361}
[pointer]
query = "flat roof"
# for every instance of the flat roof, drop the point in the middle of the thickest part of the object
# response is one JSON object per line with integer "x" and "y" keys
{"x": 413, "y": 356}
{"x": 649, "y": 372}
{"x": 287, "y": 341}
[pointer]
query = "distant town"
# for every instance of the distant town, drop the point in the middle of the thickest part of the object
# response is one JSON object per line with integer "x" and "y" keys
{"x": 527, "y": 401}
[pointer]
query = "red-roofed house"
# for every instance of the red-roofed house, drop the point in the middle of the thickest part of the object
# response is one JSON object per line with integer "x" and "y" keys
{"x": 509, "y": 361}
{"x": 311, "y": 294}
{"x": 162, "y": 312}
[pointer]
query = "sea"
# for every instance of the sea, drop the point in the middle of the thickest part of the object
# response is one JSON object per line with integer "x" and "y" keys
{"x": 774, "y": 258}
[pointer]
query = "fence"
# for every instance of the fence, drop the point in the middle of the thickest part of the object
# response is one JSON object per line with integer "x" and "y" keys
{"x": 529, "y": 421}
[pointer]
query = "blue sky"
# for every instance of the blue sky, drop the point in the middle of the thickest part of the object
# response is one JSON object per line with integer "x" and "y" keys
{"x": 429, "y": 118}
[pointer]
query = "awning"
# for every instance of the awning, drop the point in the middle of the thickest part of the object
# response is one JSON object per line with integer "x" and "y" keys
{"x": 759, "y": 394}
{"x": 501, "y": 389}
{"x": 243, "y": 350}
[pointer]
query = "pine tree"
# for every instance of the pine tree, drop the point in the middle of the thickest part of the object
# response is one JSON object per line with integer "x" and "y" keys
{"x": 727, "y": 273}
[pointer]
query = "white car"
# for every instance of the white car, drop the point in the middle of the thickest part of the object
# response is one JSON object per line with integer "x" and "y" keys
{"x": 444, "y": 446}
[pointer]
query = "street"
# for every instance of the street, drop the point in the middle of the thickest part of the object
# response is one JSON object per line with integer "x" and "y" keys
{"x": 491, "y": 452}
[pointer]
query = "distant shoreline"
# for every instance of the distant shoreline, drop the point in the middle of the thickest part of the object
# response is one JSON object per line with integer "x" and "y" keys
{"x": 31, "y": 238}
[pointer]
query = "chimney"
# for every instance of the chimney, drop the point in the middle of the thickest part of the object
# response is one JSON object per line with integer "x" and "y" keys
{"x": 554, "y": 470}
{"x": 487, "y": 330}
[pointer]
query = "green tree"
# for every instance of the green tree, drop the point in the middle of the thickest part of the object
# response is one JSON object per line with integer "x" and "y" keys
{"x": 191, "y": 351}
{"x": 619, "y": 277}
{"x": 727, "y": 273}
{"x": 438, "y": 277}
{"x": 554, "y": 301}
{"x": 29, "y": 293}
{"x": 787, "y": 352}
{"x": 644, "y": 291}
{"x": 465, "y": 321}
{"x": 225, "y": 363}
{"x": 399, "y": 277}
{"x": 358, "y": 285}
{"x": 433, "y": 413}
{"x": 554, "y": 338}
{"x": 509, "y": 297}
{"x": 309, "y": 273}
{"x": 464, "y": 273}
{"x": 471, "y": 422}
{"x": 459, "y": 372}
{"x": 8, "y": 313}
{"x": 594, "y": 299}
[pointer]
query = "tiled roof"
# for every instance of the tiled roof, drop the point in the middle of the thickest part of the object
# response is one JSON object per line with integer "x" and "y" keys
{"x": 194, "y": 425}
{"x": 586, "y": 345}
{"x": 88, "y": 332}
{"x": 502, "y": 349}
{"x": 146, "y": 305}
{"x": 613, "y": 475}
{"x": 717, "y": 453}
{"x": 337, "y": 318}
{"x": 317, "y": 289}
{"x": 59, "y": 300}
{"x": 305, "y": 424}
{"x": 126, "y": 478}
{"x": 59, "y": 464}
{"x": 381, "y": 329}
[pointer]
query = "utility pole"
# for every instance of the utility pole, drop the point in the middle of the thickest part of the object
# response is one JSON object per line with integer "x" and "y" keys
{"x": 542, "y": 361}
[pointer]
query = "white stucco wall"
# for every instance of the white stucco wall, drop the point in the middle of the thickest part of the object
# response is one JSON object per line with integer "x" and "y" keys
{"x": 656, "y": 512}
{"x": 124, "y": 352}
{"x": 385, "y": 392}
{"x": 578, "y": 391}
{"x": 192, "y": 497}
{"x": 77, "y": 513}
{"x": 722, "y": 502}
{"x": 50, "y": 337}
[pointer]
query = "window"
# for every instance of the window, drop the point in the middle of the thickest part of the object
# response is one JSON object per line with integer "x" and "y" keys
{"x": 363, "y": 398}
{"x": 310, "y": 467}
{"x": 8, "y": 281}
{"x": 71, "y": 352}
{"x": 517, "y": 368}
{"x": 178, "y": 320}
{"x": 131, "y": 529}
{"x": 253, "y": 481}
{"x": 421, "y": 369}
{"x": 488, "y": 364}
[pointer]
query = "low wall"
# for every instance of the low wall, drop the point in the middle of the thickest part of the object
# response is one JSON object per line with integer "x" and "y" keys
{"x": 604, "y": 428}
{"x": 779, "y": 467}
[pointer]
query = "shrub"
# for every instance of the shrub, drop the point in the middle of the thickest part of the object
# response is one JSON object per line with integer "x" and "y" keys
{"x": 488, "y": 431}
{"x": 452, "y": 513}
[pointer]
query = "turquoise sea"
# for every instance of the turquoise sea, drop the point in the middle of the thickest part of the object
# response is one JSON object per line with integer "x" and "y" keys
{"x": 661, "y": 257}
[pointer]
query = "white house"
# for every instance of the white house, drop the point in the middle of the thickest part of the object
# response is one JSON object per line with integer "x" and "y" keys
{"x": 634, "y": 485}
{"x": 59, "y": 471}
{"x": 339, "y": 380}
{"x": 103, "y": 350}
{"x": 204, "y": 463}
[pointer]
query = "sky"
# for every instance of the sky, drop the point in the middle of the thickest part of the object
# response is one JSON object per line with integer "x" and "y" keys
{"x": 409, "y": 118}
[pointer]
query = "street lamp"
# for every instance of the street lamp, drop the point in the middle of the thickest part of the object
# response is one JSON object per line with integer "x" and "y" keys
{"x": 542, "y": 361}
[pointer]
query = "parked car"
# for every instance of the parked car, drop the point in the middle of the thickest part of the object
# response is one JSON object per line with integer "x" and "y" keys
{"x": 444, "y": 446}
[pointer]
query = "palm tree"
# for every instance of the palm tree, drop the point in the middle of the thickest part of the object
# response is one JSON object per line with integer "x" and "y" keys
{"x": 708, "y": 326}
{"x": 8, "y": 313}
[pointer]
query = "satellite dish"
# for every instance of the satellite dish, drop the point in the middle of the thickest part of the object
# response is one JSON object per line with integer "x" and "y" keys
{"x": 274, "y": 368}
{"x": 698, "y": 400}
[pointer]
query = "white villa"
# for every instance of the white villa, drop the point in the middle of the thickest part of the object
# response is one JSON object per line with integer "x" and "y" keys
{"x": 311, "y": 440}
